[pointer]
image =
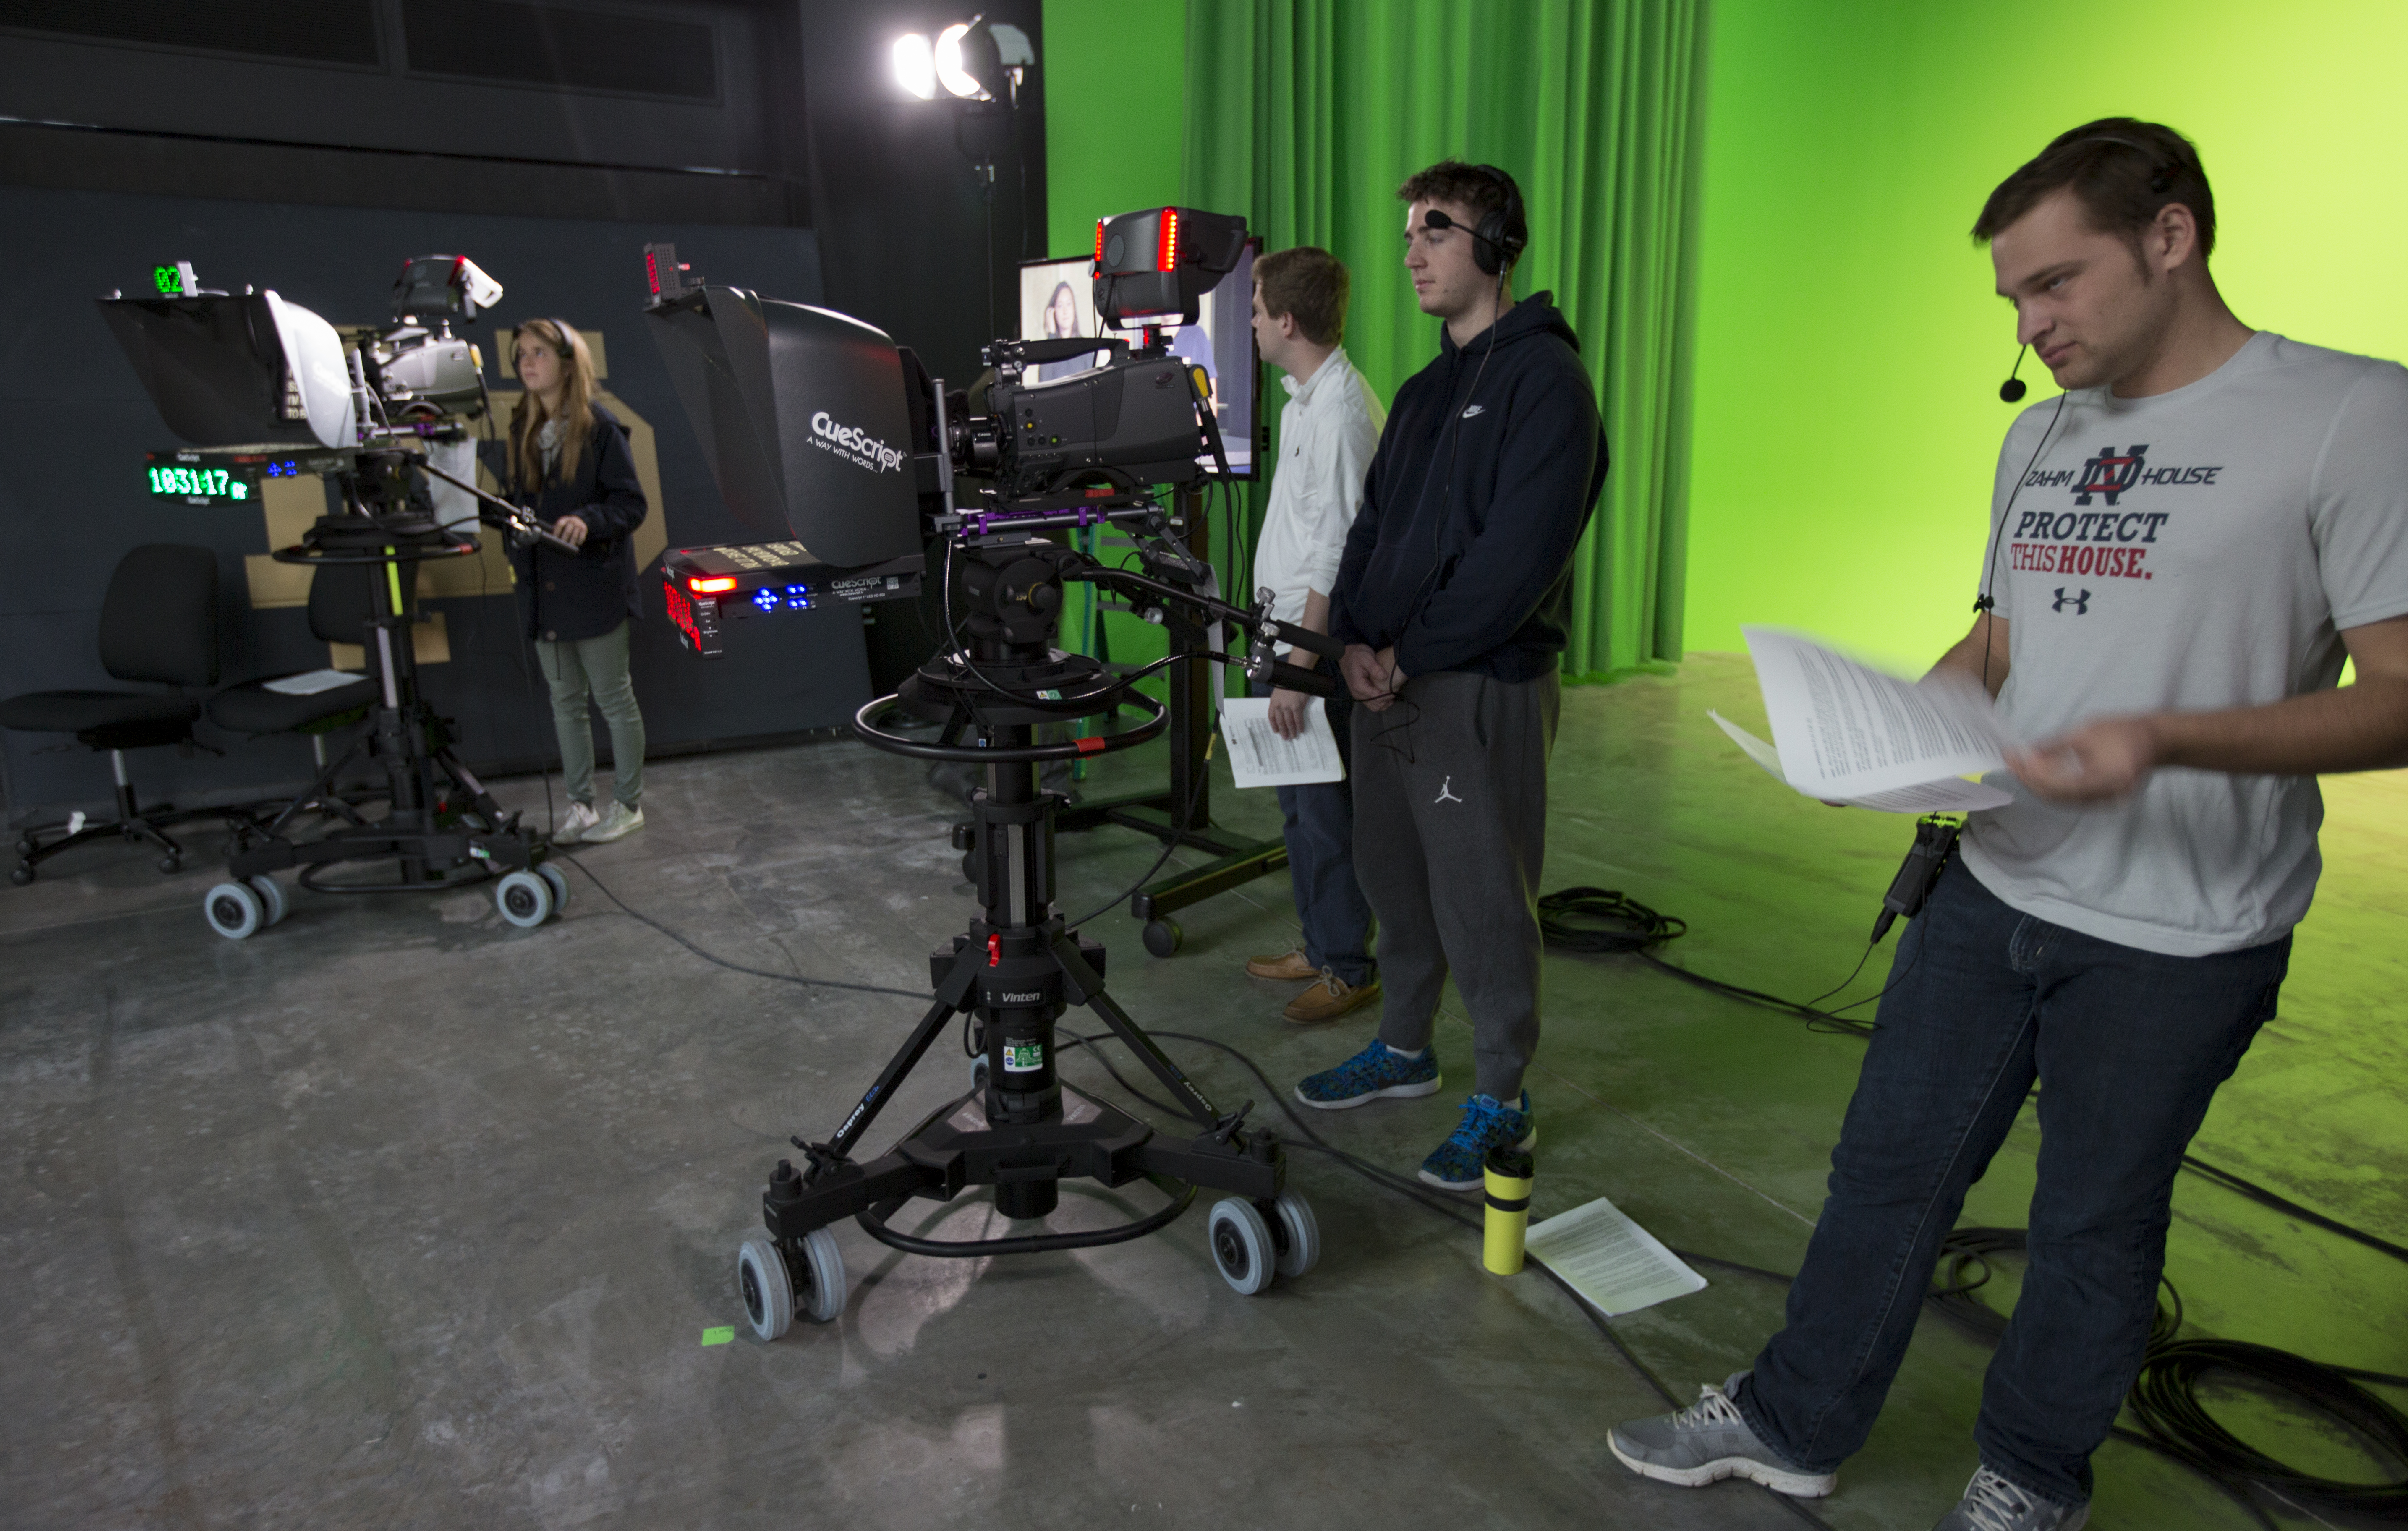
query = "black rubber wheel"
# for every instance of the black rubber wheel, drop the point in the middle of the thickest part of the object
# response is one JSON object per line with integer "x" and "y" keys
{"x": 1163, "y": 937}
{"x": 170, "y": 866}
{"x": 26, "y": 847}
{"x": 22, "y": 873}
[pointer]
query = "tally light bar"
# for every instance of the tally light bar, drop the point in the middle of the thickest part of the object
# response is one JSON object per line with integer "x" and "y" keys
{"x": 711, "y": 587}
{"x": 1166, "y": 255}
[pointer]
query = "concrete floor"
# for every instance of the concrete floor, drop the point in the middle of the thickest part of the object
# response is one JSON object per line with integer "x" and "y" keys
{"x": 396, "y": 1216}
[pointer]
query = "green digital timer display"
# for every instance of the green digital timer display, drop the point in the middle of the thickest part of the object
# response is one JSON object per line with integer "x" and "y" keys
{"x": 178, "y": 481}
{"x": 169, "y": 281}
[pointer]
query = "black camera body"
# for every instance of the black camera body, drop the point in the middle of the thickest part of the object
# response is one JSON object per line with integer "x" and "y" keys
{"x": 1134, "y": 420}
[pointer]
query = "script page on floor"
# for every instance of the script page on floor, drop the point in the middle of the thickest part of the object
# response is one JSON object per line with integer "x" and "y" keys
{"x": 1613, "y": 1262}
{"x": 1258, "y": 757}
{"x": 1843, "y": 732}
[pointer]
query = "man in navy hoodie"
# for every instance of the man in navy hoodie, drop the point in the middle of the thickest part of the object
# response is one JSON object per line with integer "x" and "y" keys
{"x": 1450, "y": 599}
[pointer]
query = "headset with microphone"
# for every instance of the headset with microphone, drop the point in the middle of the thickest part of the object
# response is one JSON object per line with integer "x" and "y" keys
{"x": 2162, "y": 170}
{"x": 1503, "y": 232}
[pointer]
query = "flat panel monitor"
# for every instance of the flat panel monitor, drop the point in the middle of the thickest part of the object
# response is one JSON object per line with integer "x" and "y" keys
{"x": 1057, "y": 299}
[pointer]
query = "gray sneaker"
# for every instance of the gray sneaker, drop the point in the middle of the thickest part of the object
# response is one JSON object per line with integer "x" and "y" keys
{"x": 618, "y": 820}
{"x": 1708, "y": 1441}
{"x": 1993, "y": 1504}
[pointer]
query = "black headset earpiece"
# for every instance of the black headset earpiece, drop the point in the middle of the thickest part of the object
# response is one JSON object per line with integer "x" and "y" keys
{"x": 1498, "y": 241}
{"x": 2013, "y": 389}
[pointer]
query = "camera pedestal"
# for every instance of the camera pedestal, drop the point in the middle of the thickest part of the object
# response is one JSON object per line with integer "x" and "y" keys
{"x": 441, "y": 828}
{"x": 1014, "y": 971}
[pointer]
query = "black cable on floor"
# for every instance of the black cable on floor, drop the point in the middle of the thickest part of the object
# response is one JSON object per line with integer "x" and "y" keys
{"x": 641, "y": 918}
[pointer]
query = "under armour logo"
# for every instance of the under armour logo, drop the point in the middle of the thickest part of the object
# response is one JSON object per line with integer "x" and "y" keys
{"x": 1471, "y": 409}
{"x": 2080, "y": 603}
{"x": 1443, "y": 794}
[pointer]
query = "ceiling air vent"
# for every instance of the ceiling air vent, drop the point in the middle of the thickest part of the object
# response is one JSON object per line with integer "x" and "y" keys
{"x": 293, "y": 31}
{"x": 559, "y": 48}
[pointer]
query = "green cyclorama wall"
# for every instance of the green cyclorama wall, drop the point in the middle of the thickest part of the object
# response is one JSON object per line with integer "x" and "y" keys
{"x": 1115, "y": 115}
{"x": 1845, "y": 415}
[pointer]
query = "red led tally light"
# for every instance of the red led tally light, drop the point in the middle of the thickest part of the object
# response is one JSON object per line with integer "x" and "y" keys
{"x": 1100, "y": 244}
{"x": 711, "y": 587}
{"x": 652, "y": 271}
{"x": 1167, "y": 255}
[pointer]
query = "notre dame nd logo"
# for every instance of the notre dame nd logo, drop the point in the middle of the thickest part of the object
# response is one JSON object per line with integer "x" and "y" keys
{"x": 2109, "y": 474}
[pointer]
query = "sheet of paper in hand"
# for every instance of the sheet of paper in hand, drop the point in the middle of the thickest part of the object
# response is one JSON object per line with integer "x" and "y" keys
{"x": 1846, "y": 733}
{"x": 1258, "y": 757}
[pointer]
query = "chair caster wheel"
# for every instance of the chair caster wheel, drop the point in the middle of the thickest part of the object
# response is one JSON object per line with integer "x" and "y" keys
{"x": 1241, "y": 1246}
{"x": 22, "y": 873}
{"x": 26, "y": 846}
{"x": 169, "y": 865}
{"x": 1163, "y": 937}
{"x": 558, "y": 881}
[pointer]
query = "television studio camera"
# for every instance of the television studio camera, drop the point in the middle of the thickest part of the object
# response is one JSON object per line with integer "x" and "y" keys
{"x": 264, "y": 387}
{"x": 824, "y": 434}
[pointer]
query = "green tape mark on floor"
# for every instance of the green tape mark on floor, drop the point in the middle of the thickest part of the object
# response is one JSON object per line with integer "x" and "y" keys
{"x": 720, "y": 1336}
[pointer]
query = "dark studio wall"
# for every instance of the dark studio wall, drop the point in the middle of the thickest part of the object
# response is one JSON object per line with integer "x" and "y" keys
{"x": 312, "y": 158}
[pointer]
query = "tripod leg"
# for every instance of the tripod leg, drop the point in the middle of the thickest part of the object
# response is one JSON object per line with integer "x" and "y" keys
{"x": 1182, "y": 1089}
{"x": 835, "y": 1149}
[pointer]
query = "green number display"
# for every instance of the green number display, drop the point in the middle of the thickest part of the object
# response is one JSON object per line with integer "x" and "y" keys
{"x": 197, "y": 482}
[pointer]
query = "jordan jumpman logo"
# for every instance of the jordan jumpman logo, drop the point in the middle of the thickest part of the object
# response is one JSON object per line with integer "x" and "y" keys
{"x": 1443, "y": 794}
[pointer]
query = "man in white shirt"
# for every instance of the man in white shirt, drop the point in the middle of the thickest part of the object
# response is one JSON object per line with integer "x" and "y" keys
{"x": 1329, "y": 430}
{"x": 2185, "y": 547}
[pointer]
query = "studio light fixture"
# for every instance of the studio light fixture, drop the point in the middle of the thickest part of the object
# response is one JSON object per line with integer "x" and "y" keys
{"x": 976, "y": 60}
{"x": 915, "y": 66}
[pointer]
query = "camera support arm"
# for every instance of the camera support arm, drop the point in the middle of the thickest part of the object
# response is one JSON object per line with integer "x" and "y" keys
{"x": 496, "y": 511}
{"x": 1255, "y": 621}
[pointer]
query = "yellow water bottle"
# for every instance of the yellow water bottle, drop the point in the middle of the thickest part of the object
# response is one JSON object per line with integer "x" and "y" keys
{"x": 1508, "y": 1173}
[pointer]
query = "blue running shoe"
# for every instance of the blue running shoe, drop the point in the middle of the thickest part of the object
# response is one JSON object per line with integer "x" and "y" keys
{"x": 1377, "y": 1070}
{"x": 1456, "y": 1165}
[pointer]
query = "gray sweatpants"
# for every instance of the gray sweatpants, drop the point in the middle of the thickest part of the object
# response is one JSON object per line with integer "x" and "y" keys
{"x": 1449, "y": 832}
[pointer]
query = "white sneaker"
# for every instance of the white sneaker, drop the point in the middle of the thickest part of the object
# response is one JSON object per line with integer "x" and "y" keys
{"x": 618, "y": 820}
{"x": 575, "y": 824}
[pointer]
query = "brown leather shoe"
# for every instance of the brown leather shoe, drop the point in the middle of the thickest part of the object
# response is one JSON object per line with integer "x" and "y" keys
{"x": 1329, "y": 998}
{"x": 1289, "y": 965}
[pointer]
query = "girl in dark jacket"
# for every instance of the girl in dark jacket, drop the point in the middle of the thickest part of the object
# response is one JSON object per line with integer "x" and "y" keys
{"x": 570, "y": 463}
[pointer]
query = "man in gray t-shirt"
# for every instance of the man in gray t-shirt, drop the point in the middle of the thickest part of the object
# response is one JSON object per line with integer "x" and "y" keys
{"x": 2186, "y": 546}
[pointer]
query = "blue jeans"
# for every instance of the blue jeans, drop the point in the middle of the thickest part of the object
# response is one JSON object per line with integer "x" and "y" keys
{"x": 1319, "y": 827}
{"x": 2129, "y": 1047}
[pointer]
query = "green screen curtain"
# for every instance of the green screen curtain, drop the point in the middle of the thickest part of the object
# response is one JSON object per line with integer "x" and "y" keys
{"x": 1306, "y": 115}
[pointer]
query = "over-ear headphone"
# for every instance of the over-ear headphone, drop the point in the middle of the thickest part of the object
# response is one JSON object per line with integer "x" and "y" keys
{"x": 1499, "y": 239}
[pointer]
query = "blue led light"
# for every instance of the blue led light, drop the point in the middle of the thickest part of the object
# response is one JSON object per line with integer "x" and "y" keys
{"x": 798, "y": 598}
{"x": 766, "y": 598}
